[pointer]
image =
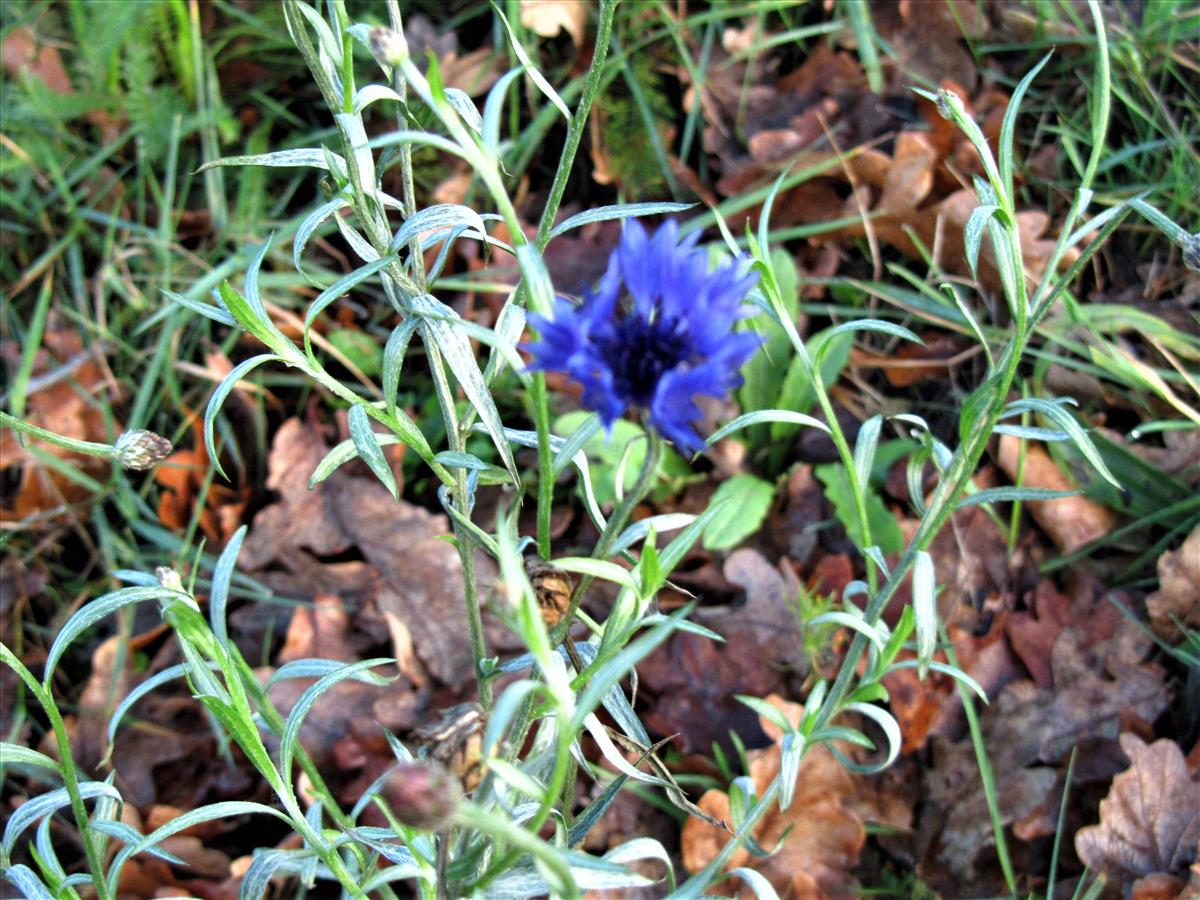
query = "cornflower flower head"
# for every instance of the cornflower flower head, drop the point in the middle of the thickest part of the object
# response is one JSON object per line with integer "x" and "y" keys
{"x": 657, "y": 332}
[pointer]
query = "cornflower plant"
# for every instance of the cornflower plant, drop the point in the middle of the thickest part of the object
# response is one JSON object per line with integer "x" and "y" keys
{"x": 656, "y": 334}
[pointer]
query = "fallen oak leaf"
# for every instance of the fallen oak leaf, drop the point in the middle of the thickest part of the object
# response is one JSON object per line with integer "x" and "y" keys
{"x": 1150, "y": 820}
{"x": 1176, "y": 603}
{"x": 817, "y": 839}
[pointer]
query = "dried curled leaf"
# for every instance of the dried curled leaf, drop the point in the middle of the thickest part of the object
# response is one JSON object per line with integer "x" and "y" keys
{"x": 1177, "y": 601}
{"x": 1150, "y": 820}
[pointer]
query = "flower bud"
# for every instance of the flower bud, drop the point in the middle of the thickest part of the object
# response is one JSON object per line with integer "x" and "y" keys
{"x": 140, "y": 450}
{"x": 388, "y": 47}
{"x": 169, "y": 578}
{"x": 422, "y": 795}
{"x": 1191, "y": 252}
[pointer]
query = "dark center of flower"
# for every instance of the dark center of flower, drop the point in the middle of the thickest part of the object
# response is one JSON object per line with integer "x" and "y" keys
{"x": 640, "y": 351}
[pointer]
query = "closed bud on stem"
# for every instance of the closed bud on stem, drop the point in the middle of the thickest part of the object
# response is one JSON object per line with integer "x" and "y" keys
{"x": 141, "y": 450}
{"x": 1191, "y": 252}
{"x": 169, "y": 578}
{"x": 422, "y": 795}
{"x": 388, "y": 47}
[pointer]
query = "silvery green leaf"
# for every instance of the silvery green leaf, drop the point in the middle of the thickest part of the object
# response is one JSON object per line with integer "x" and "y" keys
{"x": 465, "y": 107}
{"x": 271, "y": 862}
{"x": 218, "y": 399}
{"x": 615, "y": 756}
{"x": 253, "y": 295}
{"x": 326, "y": 39}
{"x": 27, "y": 882}
{"x": 290, "y": 738}
{"x": 366, "y": 442}
{"x": 924, "y": 594}
{"x": 311, "y": 158}
{"x": 18, "y": 755}
{"x": 212, "y": 812}
{"x": 766, "y": 415}
{"x": 1055, "y": 411}
{"x": 127, "y": 834}
{"x": 887, "y": 724}
{"x": 440, "y": 217}
{"x": 216, "y": 313}
{"x": 537, "y": 279}
{"x": 864, "y": 449}
{"x": 790, "y": 754}
{"x": 597, "y": 568}
{"x": 390, "y": 874}
{"x": 493, "y": 107}
{"x": 425, "y": 138}
{"x": 310, "y": 224}
{"x": 1032, "y": 432}
{"x": 393, "y": 359}
{"x": 369, "y": 93}
{"x": 410, "y": 435}
{"x": 438, "y": 323}
{"x": 534, "y": 75}
{"x": 91, "y": 613}
{"x": 155, "y": 681}
{"x": 571, "y": 446}
{"x": 218, "y": 596}
{"x": 1009, "y": 123}
{"x": 660, "y": 523}
{"x": 1013, "y": 495}
{"x": 510, "y": 325}
{"x": 364, "y": 161}
{"x": 973, "y": 233}
{"x": 877, "y": 325}
{"x": 359, "y": 244}
{"x": 319, "y": 668}
{"x": 757, "y": 882}
{"x": 47, "y": 804}
{"x": 617, "y": 211}
{"x": 343, "y": 286}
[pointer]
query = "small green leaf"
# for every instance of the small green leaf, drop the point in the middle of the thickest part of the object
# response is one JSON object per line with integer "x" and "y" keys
{"x": 748, "y": 502}
{"x": 362, "y": 350}
{"x": 366, "y": 442}
{"x": 924, "y": 594}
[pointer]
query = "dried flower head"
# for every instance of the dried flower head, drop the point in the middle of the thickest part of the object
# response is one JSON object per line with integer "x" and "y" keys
{"x": 422, "y": 795}
{"x": 657, "y": 332}
{"x": 388, "y": 47}
{"x": 141, "y": 450}
{"x": 1191, "y": 252}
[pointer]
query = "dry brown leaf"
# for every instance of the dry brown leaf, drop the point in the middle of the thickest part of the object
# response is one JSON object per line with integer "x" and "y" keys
{"x": 1098, "y": 687}
{"x": 64, "y": 407}
{"x": 183, "y": 476}
{"x": 1150, "y": 820}
{"x": 1176, "y": 603}
{"x": 1070, "y": 522}
{"x": 549, "y": 17}
{"x": 319, "y": 631}
{"x": 824, "y": 832}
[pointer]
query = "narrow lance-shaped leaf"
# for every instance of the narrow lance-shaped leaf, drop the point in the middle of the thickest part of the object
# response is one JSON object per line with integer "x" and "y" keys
{"x": 925, "y": 608}
{"x": 366, "y": 442}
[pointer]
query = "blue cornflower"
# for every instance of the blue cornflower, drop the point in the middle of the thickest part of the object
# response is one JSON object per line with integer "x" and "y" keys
{"x": 657, "y": 332}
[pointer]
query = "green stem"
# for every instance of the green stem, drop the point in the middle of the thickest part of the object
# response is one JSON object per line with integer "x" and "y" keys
{"x": 614, "y": 527}
{"x": 591, "y": 87}
{"x": 90, "y": 448}
{"x": 466, "y": 546}
{"x": 564, "y": 766}
{"x": 538, "y": 393}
